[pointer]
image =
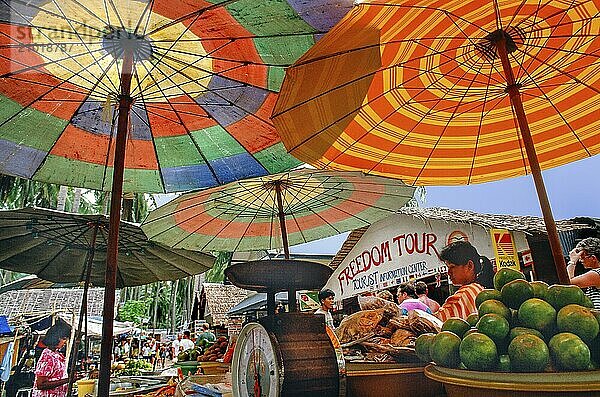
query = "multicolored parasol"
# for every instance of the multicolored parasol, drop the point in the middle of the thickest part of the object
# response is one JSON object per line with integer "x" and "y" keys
{"x": 275, "y": 211}
{"x": 203, "y": 85}
{"x": 450, "y": 92}
{"x": 155, "y": 95}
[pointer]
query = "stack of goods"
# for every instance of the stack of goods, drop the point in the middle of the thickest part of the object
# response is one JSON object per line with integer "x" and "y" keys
{"x": 215, "y": 351}
{"x": 380, "y": 334}
{"x": 520, "y": 326}
{"x": 132, "y": 368}
{"x": 206, "y": 351}
{"x": 205, "y": 386}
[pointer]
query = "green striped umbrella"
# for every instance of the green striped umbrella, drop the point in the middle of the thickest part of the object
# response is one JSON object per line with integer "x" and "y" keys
{"x": 275, "y": 211}
{"x": 203, "y": 78}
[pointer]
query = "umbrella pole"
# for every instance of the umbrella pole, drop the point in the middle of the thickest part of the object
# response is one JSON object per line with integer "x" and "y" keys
{"x": 82, "y": 312}
{"x": 517, "y": 104}
{"x": 110, "y": 280}
{"x": 284, "y": 238}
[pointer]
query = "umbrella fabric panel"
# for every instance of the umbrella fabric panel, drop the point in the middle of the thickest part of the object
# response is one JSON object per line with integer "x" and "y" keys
{"x": 33, "y": 282}
{"x": 55, "y": 246}
{"x": 244, "y": 215}
{"x": 435, "y": 110}
{"x": 204, "y": 85}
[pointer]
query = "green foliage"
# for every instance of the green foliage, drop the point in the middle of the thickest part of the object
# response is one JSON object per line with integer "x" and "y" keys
{"x": 134, "y": 310}
{"x": 217, "y": 273}
{"x": 19, "y": 193}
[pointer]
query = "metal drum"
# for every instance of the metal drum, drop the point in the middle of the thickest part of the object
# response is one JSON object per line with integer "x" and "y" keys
{"x": 278, "y": 275}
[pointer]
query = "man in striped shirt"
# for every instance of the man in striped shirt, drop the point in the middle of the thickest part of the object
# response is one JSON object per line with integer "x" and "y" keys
{"x": 587, "y": 251}
{"x": 468, "y": 270}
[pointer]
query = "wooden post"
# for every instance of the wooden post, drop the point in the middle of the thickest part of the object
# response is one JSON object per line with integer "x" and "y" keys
{"x": 284, "y": 239}
{"x": 82, "y": 311}
{"x": 110, "y": 280}
{"x": 517, "y": 105}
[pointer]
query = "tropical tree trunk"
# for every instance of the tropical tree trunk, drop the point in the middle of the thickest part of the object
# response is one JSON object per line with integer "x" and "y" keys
{"x": 174, "y": 285}
{"x": 76, "y": 200}
{"x": 62, "y": 198}
{"x": 123, "y": 295}
{"x": 25, "y": 198}
{"x": 128, "y": 207}
{"x": 106, "y": 200}
{"x": 156, "y": 302}
{"x": 190, "y": 295}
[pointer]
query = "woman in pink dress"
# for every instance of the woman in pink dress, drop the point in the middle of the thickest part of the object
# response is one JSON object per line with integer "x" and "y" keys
{"x": 51, "y": 370}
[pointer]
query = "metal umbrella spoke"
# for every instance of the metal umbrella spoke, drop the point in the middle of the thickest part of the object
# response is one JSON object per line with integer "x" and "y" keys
{"x": 414, "y": 99}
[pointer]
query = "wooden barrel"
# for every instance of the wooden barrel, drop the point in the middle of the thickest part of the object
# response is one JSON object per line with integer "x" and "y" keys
{"x": 310, "y": 364}
{"x": 296, "y": 352}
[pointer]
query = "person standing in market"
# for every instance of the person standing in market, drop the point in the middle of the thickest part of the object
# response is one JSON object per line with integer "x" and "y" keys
{"x": 125, "y": 348}
{"x": 186, "y": 343}
{"x": 407, "y": 299}
{"x": 51, "y": 378}
{"x": 421, "y": 289}
{"x": 205, "y": 335}
{"x": 469, "y": 271}
{"x": 326, "y": 298}
{"x": 586, "y": 252}
{"x": 176, "y": 347}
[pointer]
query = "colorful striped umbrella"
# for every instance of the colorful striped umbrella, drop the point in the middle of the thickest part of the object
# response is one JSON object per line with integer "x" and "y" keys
{"x": 204, "y": 82}
{"x": 275, "y": 211}
{"x": 155, "y": 95}
{"x": 450, "y": 92}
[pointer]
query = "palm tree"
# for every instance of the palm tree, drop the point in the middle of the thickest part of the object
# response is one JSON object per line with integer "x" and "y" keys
{"x": 19, "y": 193}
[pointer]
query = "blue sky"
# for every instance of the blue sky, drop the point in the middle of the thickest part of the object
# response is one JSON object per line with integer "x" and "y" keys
{"x": 573, "y": 190}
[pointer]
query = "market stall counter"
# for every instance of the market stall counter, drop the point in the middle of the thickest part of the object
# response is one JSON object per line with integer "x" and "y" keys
{"x": 390, "y": 380}
{"x": 124, "y": 386}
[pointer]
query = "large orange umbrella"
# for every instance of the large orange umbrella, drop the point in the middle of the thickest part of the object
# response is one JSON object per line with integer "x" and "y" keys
{"x": 450, "y": 92}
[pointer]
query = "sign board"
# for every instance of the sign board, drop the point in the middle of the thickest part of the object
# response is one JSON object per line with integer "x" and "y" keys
{"x": 401, "y": 248}
{"x": 234, "y": 327}
{"x": 505, "y": 250}
{"x": 527, "y": 258}
{"x": 309, "y": 301}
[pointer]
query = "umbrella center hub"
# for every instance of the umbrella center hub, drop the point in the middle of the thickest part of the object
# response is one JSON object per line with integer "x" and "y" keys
{"x": 487, "y": 46}
{"x": 116, "y": 41}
